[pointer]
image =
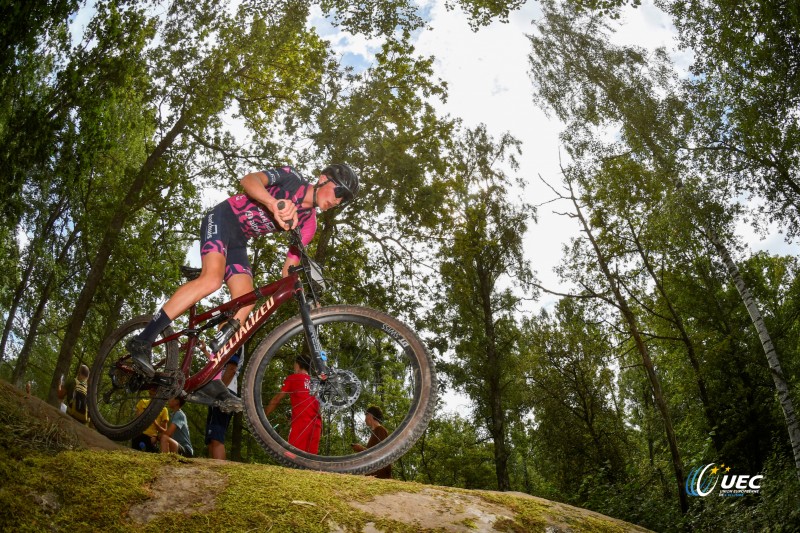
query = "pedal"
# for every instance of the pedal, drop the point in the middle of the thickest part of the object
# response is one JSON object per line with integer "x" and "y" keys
{"x": 216, "y": 394}
{"x": 233, "y": 404}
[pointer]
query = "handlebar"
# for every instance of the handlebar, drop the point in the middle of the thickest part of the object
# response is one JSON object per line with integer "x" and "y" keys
{"x": 281, "y": 204}
{"x": 312, "y": 270}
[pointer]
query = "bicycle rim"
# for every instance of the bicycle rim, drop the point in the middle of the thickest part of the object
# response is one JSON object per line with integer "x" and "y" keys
{"x": 115, "y": 389}
{"x": 375, "y": 360}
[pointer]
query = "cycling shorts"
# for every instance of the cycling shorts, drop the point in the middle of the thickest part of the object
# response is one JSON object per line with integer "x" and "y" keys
{"x": 217, "y": 425}
{"x": 221, "y": 232}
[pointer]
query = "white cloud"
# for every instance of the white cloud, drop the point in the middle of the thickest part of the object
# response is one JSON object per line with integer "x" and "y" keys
{"x": 488, "y": 82}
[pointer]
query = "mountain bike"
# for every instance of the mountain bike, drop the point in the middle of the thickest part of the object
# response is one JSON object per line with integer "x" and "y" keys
{"x": 359, "y": 357}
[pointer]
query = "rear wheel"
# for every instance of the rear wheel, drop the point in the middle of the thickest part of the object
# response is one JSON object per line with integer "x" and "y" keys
{"x": 116, "y": 389}
{"x": 374, "y": 359}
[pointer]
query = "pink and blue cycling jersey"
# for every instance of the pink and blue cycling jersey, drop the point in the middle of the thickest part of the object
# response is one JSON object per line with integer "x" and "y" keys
{"x": 231, "y": 223}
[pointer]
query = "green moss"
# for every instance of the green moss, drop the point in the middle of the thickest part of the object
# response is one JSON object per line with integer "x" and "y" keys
{"x": 95, "y": 490}
{"x": 470, "y": 523}
{"x": 22, "y": 434}
{"x": 530, "y": 515}
{"x": 299, "y": 500}
{"x": 92, "y": 491}
{"x": 44, "y": 485}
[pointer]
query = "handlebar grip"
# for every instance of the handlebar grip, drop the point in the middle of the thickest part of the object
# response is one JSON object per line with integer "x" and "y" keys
{"x": 281, "y": 204}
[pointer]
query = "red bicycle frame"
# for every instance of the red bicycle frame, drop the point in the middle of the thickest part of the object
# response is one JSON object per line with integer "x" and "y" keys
{"x": 277, "y": 293}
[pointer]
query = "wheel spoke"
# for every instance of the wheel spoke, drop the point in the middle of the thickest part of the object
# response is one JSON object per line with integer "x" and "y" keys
{"x": 370, "y": 363}
{"x": 120, "y": 399}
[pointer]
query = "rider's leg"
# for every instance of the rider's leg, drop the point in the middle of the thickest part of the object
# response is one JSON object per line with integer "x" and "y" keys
{"x": 239, "y": 285}
{"x": 209, "y": 281}
{"x": 190, "y": 293}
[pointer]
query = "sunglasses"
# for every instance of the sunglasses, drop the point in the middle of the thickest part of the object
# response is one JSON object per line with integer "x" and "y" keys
{"x": 340, "y": 191}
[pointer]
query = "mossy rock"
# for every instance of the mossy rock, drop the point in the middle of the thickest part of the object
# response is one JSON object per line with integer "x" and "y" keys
{"x": 56, "y": 475}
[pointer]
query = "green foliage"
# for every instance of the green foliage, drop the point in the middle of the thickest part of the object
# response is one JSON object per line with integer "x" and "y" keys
{"x": 573, "y": 397}
{"x": 745, "y": 92}
{"x": 453, "y": 452}
{"x": 373, "y": 17}
{"x": 484, "y": 12}
{"x": 639, "y": 498}
{"x": 674, "y": 167}
{"x": 482, "y": 251}
{"x": 32, "y": 34}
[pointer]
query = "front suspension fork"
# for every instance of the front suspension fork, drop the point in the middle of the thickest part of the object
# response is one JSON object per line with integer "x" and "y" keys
{"x": 319, "y": 359}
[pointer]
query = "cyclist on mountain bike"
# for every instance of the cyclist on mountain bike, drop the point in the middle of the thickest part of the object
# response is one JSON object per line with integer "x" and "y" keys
{"x": 274, "y": 200}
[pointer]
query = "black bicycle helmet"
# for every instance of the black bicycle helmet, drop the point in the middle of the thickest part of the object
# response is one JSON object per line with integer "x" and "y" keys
{"x": 345, "y": 178}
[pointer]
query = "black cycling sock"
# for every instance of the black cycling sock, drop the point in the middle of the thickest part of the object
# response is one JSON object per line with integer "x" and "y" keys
{"x": 156, "y": 326}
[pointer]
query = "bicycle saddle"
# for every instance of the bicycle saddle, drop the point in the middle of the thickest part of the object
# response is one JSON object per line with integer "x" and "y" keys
{"x": 190, "y": 273}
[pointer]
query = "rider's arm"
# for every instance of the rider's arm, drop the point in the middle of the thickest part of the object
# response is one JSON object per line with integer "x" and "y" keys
{"x": 273, "y": 403}
{"x": 307, "y": 231}
{"x": 254, "y": 185}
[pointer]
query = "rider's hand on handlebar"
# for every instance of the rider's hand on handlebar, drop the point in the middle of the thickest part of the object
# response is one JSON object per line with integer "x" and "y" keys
{"x": 285, "y": 213}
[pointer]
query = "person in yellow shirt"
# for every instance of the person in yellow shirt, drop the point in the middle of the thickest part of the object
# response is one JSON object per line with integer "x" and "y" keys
{"x": 147, "y": 441}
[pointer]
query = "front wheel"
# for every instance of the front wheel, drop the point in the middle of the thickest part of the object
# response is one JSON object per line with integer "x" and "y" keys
{"x": 122, "y": 403}
{"x": 375, "y": 360}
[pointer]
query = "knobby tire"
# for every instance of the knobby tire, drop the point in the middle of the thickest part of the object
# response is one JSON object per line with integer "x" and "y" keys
{"x": 116, "y": 418}
{"x": 384, "y": 345}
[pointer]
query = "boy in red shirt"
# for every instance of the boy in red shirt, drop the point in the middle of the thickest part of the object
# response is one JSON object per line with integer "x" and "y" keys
{"x": 306, "y": 421}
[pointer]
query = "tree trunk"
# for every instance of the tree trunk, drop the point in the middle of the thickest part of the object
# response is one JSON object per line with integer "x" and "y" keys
{"x": 633, "y": 328}
{"x": 15, "y": 302}
{"x": 103, "y": 254}
{"x": 781, "y": 386}
{"x": 55, "y": 212}
{"x": 690, "y": 352}
{"x": 497, "y": 423}
{"x": 18, "y": 377}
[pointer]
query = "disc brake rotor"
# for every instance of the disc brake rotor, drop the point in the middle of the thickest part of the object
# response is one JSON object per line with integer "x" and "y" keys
{"x": 339, "y": 391}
